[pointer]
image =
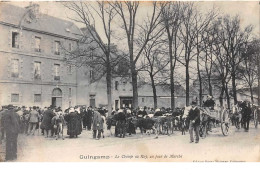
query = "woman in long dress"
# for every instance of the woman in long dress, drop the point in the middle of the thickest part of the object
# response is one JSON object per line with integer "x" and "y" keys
{"x": 73, "y": 120}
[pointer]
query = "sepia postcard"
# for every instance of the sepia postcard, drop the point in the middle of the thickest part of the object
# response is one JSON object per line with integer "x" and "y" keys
{"x": 129, "y": 81}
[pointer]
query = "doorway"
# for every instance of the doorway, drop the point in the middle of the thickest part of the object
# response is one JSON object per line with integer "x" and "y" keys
{"x": 126, "y": 102}
{"x": 92, "y": 101}
{"x": 56, "y": 100}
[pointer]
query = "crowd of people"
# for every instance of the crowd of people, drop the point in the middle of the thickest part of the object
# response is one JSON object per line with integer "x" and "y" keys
{"x": 50, "y": 121}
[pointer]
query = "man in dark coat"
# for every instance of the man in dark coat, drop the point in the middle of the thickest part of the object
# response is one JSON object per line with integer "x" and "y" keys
{"x": 73, "y": 123}
{"x": 194, "y": 117}
{"x": 46, "y": 121}
{"x": 210, "y": 103}
{"x": 121, "y": 123}
{"x": 89, "y": 117}
{"x": 84, "y": 117}
{"x": 12, "y": 128}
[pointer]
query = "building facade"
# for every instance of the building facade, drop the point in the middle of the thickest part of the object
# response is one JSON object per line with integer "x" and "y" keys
{"x": 33, "y": 69}
{"x": 95, "y": 95}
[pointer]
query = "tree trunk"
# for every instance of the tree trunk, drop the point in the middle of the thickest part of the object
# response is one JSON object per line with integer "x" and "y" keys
{"x": 154, "y": 91}
{"x": 133, "y": 74}
{"x": 251, "y": 94}
{"x": 135, "y": 88}
{"x": 187, "y": 85}
{"x": 200, "y": 80}
{"x": 171, "y": 75}
{"x": 109, "y": 88}
{"x": 227, "y": 96}
{"x": 221, "y": 95}
{"x": 210, "y": 86}
{"x": 233, "y": 77}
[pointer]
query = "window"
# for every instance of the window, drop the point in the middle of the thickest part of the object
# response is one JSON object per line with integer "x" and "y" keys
{"x": 56, "y": 72}
{"x": 142, "y": 99}
{"x": 14, "y": 97}
{"x": 57, "y": 47}
{"x": 37, "y": 98}
{"x": 116, "y": 85}
{"x": 37, "y": 70}
{"x": 124, "y": 83}
{"x": 37, "y": 44}
{"x": 15, "y": 43}
{"x": 15, "y": 68}
{"x": 70, "y": 92}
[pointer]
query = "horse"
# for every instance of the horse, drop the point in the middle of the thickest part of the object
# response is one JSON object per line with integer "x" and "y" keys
{"x": 236, "y": 116}
{"x": 246, "y": 112}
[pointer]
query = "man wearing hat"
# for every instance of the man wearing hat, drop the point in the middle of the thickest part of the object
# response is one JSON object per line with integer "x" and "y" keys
{"x": 209, "y": 102}
{"x": 11, "y": 126}
{"x": 194, "y": 117}
{"x": 34, "y": 117}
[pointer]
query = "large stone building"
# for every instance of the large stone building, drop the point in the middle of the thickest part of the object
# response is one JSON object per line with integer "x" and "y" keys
{"x": 34, "y": 71}
{"x": 32, "y": 66}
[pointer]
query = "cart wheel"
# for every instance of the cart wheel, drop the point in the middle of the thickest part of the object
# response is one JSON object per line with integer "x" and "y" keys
{"x": 224, "y": 119}
{"x": 255, "y": 118}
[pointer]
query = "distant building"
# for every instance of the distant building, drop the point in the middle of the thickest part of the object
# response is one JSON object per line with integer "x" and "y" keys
{"x": 94, "y": 94}
{"x": 32, "y": 66}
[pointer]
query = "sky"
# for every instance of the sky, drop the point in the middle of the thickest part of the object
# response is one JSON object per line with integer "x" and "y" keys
{"x": 247, "y": 10}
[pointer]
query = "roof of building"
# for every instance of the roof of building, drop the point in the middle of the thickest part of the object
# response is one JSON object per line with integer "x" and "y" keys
{"x": 13, "y": 15}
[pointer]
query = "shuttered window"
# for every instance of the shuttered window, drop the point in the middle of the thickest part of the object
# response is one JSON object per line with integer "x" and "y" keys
{"x": 37, "y": 98}
{"x": 37, "y": 44}
{"x": 15, "y": 68}
{"x": 15, "y": 42}
{"x": 14, "y": 97}
{"x": 37, "y": 70}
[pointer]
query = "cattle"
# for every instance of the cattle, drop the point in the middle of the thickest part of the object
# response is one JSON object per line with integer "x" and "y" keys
{"x": 143, "y": 123}
{"x": 111, "y": 121}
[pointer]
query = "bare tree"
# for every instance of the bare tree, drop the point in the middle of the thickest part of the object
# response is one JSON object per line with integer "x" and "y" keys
{"x": 105, "y": 12}
{"x": 207, "y": 49}
{"x": 188, "y": 35}
{"x": 171, "y": 17}
{"x": 127, "y": 12}
{"x": 233, "y": 39}
{"x": 248, "y": 69}
{"x": 202, "y": 23}
{"x": 221, "y": 63}
{"x": 154, "y": 62}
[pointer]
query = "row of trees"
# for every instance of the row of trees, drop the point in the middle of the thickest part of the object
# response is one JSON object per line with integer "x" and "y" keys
{"x": 172, "y": 36}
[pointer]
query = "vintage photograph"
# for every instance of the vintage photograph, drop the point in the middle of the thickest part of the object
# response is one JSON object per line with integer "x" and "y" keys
{"x": 129, "y": 81}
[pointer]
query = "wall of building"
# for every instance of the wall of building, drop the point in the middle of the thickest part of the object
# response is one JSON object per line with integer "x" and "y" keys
{"x": 121, "y": 89}
{"x": 25, "y": 84}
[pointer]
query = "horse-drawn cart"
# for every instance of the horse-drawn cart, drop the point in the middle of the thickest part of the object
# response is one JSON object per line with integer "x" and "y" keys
{"x": 209, "y": 117}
